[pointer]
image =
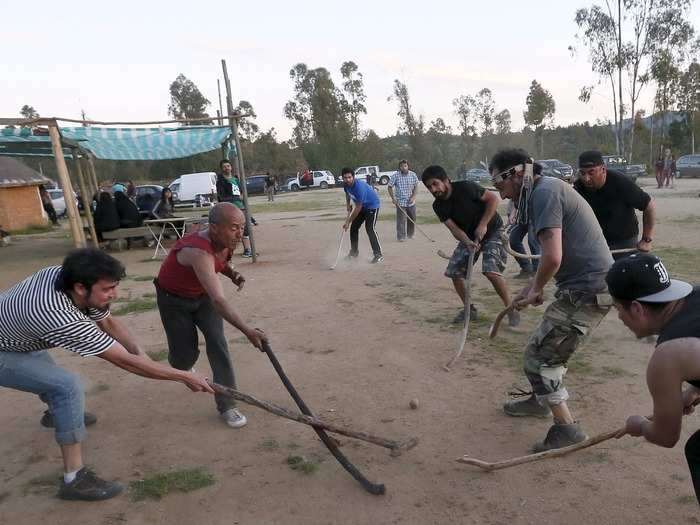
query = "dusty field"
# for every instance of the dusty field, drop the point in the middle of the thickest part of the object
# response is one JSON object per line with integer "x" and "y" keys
{"x": 359, "y": 343}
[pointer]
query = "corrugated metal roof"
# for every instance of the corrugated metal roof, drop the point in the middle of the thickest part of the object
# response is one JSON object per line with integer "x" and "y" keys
{"x": 15, "y": 173}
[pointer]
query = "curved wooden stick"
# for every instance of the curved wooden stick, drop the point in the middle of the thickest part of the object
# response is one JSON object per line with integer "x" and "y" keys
{"x": 396, "y": 447}
{"x": 414, "y": 223}
{"x": 443, "y": 254}
{"x": 493, "y": 330}
{"x": 548, "y": 454}
{"x": 467, "y": 311}
{"x": 518, "y": 255}
{"x": 340, "y": 247}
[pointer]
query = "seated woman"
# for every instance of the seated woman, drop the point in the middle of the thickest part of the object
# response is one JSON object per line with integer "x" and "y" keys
{"x": 164, "y": 208}
{"x": 106, "y": 217}
{"x": 129, "y": 216}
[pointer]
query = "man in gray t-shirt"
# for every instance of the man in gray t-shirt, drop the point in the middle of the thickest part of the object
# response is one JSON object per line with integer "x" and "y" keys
{"x": 575, "y": 254}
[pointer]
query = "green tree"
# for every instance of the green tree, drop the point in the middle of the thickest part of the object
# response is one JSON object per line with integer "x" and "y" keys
{"x": 247, "y": 126}
{"x": 29, "y": 112}
{"x": 299, "y": 108}
{"x": 503, "y": 122}
{"x": 186, "y": 101}
{"x": 413, "y": 126}
{"x": 485, "y": 110}
{"x": 438, "y": 136}
{"x": 466, "y": 111}
{"x": 355, "y": 95}
{"x": 688, "y": 98}
{"x": 540, "y": 111}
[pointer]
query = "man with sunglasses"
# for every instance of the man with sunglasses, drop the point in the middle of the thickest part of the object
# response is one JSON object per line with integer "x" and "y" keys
{"x": 614, "y": 197}
{"x": 574, "y": 253}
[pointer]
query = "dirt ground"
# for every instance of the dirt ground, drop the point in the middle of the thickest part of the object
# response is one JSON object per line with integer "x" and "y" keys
{"x": 359, "y": 343}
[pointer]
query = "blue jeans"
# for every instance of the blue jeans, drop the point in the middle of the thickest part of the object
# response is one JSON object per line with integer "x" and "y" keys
{"x": 516, "y": 234}
{"x": 38, "y": 373}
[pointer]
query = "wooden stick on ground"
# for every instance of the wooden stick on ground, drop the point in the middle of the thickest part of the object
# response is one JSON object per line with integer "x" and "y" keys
{"x": 414, "y": 224}
{"x": 396, "y": 447}
{"x": 548, "y": 454}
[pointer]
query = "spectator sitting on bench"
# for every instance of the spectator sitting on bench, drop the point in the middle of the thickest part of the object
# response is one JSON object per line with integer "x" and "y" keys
{"x": 106, "y": 216}
{"x": 129, "y": 215}
{"x": 164, "y": 208}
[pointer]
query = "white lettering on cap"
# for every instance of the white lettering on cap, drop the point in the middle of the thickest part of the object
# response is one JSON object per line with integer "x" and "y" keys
{"x": 663, "y": 274}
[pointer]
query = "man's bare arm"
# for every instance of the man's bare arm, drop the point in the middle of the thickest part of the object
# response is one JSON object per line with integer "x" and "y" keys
{"x": 115, "y": 328}
{"x": 458, "y": 234}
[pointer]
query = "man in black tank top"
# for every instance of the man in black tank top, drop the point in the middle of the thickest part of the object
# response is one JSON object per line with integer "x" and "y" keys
{"x": 649, "y": 302}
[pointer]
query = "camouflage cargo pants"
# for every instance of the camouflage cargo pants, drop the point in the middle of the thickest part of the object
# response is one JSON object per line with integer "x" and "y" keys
{"x": 566, "y": 324}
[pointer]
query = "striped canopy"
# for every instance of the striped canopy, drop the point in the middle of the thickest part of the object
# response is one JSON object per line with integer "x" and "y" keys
{"x": 126, "y": 143}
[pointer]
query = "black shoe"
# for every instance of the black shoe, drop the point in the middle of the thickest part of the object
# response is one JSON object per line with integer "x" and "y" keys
{"x": 377, "y": 259}
{"x": 560, "y": 435}
{"x": 47, "y": 419}
{"x": 88, "y": 487}
{"x": 473, "y": 315}
{"x": 351, "y": 256}
{"x": 526, "y": 407}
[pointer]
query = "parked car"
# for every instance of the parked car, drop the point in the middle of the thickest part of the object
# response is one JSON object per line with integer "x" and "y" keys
{"x": 556, "y": 168}
{"x": 618, "y": 163}
{"x": 59, "y": 203}
{"x": 688, "y": 166}
{"x": 382, "y": 177}
{"x": 194, "y": 188}
{"x": 255, "y": 184}
{"x": 475, "y": 175}
{"x": 322, "y": 179}
{"x": 146, "y": 197}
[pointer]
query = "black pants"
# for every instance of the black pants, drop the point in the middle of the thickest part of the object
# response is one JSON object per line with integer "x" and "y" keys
{"x": 51, "y": 212}
{"x": 181, "y": 317}
{"x": 369, "y": 217}
{"x": 692, "y": 455}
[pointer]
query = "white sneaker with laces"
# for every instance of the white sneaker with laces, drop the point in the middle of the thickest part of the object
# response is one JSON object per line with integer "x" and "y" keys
{"x": 234, "y": 418}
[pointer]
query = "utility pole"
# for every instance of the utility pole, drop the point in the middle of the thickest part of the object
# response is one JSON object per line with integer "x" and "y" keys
{"x": 233, "y": 122}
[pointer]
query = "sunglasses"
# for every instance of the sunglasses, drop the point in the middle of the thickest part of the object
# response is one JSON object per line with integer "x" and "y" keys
{"x": 500, "y": 177}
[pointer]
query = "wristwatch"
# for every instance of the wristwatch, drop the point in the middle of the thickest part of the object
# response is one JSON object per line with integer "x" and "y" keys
{"x": 646, "y": 239}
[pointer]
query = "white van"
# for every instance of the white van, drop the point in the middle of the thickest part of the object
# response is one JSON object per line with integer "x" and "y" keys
{"x": 194, "y": 187}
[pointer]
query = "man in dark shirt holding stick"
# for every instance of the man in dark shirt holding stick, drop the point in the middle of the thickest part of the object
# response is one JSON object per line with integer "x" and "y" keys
{"x": 469, "y": 212}
{"x": 614, "y": 198}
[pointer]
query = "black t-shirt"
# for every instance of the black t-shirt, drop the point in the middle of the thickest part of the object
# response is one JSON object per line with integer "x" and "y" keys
{"x": 466, "y": 208}
{"x": 614, "y": 206}
{"x": 686, "y": 323}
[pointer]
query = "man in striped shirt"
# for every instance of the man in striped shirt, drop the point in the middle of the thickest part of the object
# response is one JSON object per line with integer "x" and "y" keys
{"x": 68, "y": 306}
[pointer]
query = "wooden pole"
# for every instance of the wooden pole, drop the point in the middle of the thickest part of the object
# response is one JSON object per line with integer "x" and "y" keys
{"x": 395, "y": 446}
{"x": 221, "y": 108}
{"x": 87, "y": 198}
{"x": 91, "y": 165}
{"x": 239, "y": 158}
{"x": 64, "y": 179}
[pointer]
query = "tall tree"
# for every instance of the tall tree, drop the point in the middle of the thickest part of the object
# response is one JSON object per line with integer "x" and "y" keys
{"x": 29, "y": 112}
{"x": 439, "y": 136}
{"x": 503, "y": 122}
{"x": 413, "y": 126}
{"x": 540, "y": 111}
{"x": 247, "y": 126}
{"x": 688, "y": 98}
{"x": 355, "y": 95}
{"x": 186, "y": 101}
{"x": 485, "y": 110}
{"x": 466, "y": 111}
{"x": 299, "y": 108}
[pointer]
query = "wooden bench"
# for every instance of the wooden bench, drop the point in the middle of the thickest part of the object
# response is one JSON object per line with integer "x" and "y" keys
{"x": 126, "y": 234}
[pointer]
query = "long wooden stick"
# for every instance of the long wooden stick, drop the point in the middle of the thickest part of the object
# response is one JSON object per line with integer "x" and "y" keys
{"x": 340, "y": 247}
{"x": 414, "y": 223}
{"x": 467, "y": 311}
{"x": 493, "y": 330}
{"x": 396, "y": 447}
{"x": 548, "y": 454}
{"x": 519, "y": 255}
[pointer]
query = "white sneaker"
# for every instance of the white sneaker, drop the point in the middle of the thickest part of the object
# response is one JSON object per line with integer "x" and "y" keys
{"x": 234, "y": 418}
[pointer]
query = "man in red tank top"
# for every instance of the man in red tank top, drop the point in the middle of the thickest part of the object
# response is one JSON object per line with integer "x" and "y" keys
{"x": 190, "y": 296}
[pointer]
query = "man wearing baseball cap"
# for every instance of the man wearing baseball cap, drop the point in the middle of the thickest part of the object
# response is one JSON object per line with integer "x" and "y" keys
{"x": 649, "y": 302}
{"x": 614, "y": 197}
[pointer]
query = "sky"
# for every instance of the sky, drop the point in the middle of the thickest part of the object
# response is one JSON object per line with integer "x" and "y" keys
{"x": 117, "y": 60}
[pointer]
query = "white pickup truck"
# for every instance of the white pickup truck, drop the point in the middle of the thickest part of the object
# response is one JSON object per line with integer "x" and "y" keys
{"x": 322, "y": 179}
{"x": 382, "y": 177}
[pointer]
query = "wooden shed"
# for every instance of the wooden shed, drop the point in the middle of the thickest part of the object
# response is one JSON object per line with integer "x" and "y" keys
{"x": 20, "y": 203}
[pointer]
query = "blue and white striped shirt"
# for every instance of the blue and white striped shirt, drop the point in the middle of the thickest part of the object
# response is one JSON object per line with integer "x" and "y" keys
{"x": 403, "y": 186}
{"x": 36, "y": 316}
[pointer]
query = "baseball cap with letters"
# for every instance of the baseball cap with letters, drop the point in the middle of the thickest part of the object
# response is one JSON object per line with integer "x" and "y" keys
{"x": 643, "y": 277}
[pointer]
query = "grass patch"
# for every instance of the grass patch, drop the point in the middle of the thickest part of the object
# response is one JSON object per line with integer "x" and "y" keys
{"x": 681, "y": 262}
{"x": 301, "y": 464}
{"x": 296, "y": 205}
{"x": 157, "y": 355}
{"x": 99, "y": 387}
{"x": 32, "y": 229}
{"x": 688, "y": 499}
{"x": 135, "y": 306}
{"x": 141, "y": 278}
{"x": 35, "y": 458}
{"x": 614, "y": 371}
{"x": 269, "y": 445}
{"x": 161, "y": 484}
